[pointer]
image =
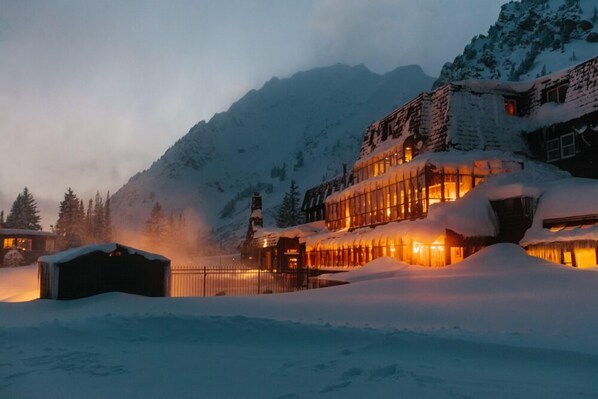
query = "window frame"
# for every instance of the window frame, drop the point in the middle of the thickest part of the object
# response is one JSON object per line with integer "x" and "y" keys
{"x": 556, "y": 150}
{"x": 572, "y": 145}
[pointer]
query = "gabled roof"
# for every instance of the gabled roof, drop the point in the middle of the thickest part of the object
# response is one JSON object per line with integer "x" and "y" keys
{"x": 73, "y": 253}
{"x": 26, "y": 232}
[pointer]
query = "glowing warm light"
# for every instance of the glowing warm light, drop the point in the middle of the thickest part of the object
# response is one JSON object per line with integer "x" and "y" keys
{"x": 510, "y": 107}
{"x": 392, "y": 248}
{"x": 585, "y": 257}
{"x": 265, "y": 243}
{"x": 408, "y": 154}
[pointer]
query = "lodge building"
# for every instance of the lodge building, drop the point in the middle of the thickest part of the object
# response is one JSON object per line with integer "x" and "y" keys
{"x": 438, "y": 147}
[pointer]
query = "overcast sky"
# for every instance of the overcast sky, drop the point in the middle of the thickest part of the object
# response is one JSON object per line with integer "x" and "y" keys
{"x": 92, "y": 92}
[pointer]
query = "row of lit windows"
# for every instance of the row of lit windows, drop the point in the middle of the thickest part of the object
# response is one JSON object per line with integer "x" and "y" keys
{"x": 25, "y": 244}
{"x": 378, "y": 166}
{"x": 414, "y": 253}
{"x": 404, "y": 199}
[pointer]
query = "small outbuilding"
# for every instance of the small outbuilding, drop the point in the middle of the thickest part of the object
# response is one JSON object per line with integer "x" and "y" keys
{"x": 95, "y": 269}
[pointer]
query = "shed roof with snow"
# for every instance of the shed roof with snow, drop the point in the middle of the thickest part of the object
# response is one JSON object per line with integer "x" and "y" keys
{"x": 95, "y": 269}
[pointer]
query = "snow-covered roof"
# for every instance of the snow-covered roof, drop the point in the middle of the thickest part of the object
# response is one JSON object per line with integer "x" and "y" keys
{"x": 26, "y": 232}
{"x": 471, "y": 114}
{"x": 564, "y": 198}
{"x": 450, "y": 159}
{"x": 70, "y": 254}
{"x": 302, "y": 230}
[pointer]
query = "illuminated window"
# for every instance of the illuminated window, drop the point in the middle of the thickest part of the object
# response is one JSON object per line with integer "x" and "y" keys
{"x": 585, "y": 256}
{"x": 567, "y": 258}
{"x": 435, "y": 189}
{"x": 408, "y": 154}
{"x": 450, "y": 186}
{"x": 24, "y": 244}
{"x": 511, "y": 107}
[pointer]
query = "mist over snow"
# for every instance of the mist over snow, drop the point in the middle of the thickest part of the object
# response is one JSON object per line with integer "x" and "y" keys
{"x": 93, "y": 92}
{"x": 302, "y": 128}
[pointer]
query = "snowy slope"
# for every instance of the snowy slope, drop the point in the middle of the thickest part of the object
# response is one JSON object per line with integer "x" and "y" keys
{"x": 308, "y": 124}
{"x": 500, "y": 324}
{"x": 530, "y": 38}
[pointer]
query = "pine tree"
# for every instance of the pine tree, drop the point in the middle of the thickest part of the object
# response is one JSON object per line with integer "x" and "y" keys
{"x": 88, "y": 224}
{"x": 69, "y": 225}
{"x": 107, "y": 219}
{"x": 24, "y": 213}
{"x": 1, "y": 219}
{"x": 154, "y": 229}
{"x": 99, "y": 228}
{"x": 289, "y": 213}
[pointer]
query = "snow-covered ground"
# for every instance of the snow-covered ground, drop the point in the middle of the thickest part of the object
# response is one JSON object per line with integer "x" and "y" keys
{"x": 500, "y": 324}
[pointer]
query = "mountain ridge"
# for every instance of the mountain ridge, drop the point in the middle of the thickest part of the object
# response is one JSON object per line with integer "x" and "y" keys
{"x": 530, "y": 39}
{"x": 303, "y": 127}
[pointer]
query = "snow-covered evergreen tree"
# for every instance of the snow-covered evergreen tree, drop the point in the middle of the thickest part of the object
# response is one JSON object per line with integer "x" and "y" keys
{"x": 69, "y": 225}
{"x": 289, "y": 213}
{"x": 99, "y": 227}
{"x": 24, "y": 213}
{"x": 107, "y": 220}
{"x": 154, "y": 230}
{"x": 89, "y": 237}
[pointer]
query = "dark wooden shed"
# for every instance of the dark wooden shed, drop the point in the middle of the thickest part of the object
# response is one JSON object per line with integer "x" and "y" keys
{"x": 95, "y": 269}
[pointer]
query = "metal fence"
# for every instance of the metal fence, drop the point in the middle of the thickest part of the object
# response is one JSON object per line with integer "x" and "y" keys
{"x": 236, "y": 281}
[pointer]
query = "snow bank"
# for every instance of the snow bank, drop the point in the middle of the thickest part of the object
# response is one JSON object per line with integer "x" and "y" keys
{"x": 498, "y": 324}
{"x": 384, "y": 267}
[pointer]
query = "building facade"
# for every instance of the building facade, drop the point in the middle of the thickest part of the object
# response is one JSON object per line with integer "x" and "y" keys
{"x": 438, "y": 147}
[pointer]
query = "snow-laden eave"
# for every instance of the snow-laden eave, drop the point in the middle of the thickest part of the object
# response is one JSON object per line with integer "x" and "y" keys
{"x": 449, "y": 159}
{"x": 73, "y": 253}
{"x": 545, "y": 236}
{"x": 566, "y": 198}
{"x": 489, "y": 86}
{"x": 299, "y": 231}
{"x": 552, "y": 113}
{"x": 26, "y": 232}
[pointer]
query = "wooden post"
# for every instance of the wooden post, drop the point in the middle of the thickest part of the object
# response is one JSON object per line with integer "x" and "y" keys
{"x": 205, "y": 276}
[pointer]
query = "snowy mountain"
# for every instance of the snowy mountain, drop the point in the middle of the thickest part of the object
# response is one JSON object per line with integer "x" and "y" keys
{"x": 530, "y": 39}
{"x": 302, "y": 128}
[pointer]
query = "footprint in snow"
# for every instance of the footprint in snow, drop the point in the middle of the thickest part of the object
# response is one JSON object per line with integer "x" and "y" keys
{"x": 351, "y": 373}
{"x": 386, "y": 372}
{"x": 325, "y": 366}
{"x": 335, "y": 387}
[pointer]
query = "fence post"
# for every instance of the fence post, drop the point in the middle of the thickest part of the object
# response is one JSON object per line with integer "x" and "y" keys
{"x": 259, "y": 281}
{"x": 205, "y": 276}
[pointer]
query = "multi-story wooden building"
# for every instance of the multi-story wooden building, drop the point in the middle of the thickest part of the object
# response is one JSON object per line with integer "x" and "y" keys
{"x": 441, "y": 145}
